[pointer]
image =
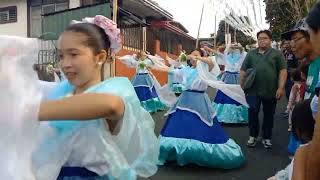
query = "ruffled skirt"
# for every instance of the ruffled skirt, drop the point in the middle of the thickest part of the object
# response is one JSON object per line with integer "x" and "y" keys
{"x": 147, "y": 94}
{"x": 79, "y": 173}
{"x": 186, "y": 138}
{"x": 228, "y": 110}
{"x": 231, "y": 77}
{"x": 177, "y": 88}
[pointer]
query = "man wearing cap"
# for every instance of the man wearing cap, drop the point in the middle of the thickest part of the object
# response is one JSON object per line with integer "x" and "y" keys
{"x": 303, "y": 49}
{"x": 268, "y": 86}
{"x": 307, "y": 158}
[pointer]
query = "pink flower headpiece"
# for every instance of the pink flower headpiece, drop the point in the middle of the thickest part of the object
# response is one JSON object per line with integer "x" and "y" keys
{"x": 109, "y": 27}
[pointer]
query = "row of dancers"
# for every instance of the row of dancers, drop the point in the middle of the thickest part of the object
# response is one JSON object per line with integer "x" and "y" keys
{"x": 89, "y": 127}
{"x": 192, "y": 132}
{"x": 146, "y": 85}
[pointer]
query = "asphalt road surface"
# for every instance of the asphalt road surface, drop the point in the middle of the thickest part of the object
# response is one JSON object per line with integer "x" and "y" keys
{"x": 260, "y": 163}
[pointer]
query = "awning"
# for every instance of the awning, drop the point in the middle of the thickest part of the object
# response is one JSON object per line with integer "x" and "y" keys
{"x": 168, "y": 26}
{"x": 130, "y": 19}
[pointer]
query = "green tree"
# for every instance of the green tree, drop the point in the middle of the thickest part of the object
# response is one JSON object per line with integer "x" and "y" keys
{"x": 279, "y": 16}
{"x": 240, "y": 36}
{"x": 283, "y": 14}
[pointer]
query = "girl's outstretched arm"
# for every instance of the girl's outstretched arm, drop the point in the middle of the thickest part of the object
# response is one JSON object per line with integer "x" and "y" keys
{"x": 83, "y": 107}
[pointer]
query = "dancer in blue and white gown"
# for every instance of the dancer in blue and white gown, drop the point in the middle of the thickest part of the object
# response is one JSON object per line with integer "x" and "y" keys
{"x": 181, "y": 62}
{"x": 233, "y": 57}
{"x": 192, "y": 133}
{"x": 90, "y": 128}
{"x": 144, "y": 82}
{"x": 229, "y": 110}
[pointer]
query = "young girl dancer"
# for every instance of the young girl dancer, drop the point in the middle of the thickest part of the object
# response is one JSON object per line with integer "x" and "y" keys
{"x": 143, "y": 82}
{"x": 229, "y": 110}
{"x": 179, "y": 63}
{"x": 192, "y": 134}
{"x": 100, "y": 130}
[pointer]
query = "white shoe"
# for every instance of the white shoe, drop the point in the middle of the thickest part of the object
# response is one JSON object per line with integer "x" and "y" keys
{"x": 252, "y": 142}
{"x": 267, "y": 143}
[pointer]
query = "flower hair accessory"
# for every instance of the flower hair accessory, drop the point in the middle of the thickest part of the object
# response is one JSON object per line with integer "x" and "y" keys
{"x": 109, "y": 27}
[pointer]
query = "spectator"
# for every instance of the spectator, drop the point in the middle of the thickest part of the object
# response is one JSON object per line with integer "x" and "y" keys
{"x": 304, "y": 68}
{"x": 294, "y": 94}
{"x": 308, "y": 158}
{"x": 292, "y": 63}
{"x": 303, "y": 49}
{"x": 302, "y": 128}
{"x": 268, "y": 86}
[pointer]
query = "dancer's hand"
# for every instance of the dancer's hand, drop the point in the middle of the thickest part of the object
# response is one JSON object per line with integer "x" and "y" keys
{"x": 193, "y": 57}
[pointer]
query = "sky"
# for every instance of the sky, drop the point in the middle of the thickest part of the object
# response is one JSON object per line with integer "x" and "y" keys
{"x": 188, "y": 13}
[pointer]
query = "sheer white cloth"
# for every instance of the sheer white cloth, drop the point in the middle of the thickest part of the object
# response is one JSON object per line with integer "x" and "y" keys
{"x": 135, "y": 146}
{"x": 205, "y": 79}
{"x": 19, "y": 103}
{"x": 233, "y": 91}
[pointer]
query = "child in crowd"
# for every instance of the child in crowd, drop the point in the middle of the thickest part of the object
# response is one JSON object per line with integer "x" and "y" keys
{"x": 303, "y": 124}
{"x": 294, "y": 94}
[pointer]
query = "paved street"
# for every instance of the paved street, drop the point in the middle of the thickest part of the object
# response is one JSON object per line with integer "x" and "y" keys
{"x": 260, "y": 164}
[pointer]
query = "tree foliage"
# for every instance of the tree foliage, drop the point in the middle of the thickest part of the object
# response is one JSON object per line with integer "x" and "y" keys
{"x": 283, "y": 14}
{"x": 240, "y": 36}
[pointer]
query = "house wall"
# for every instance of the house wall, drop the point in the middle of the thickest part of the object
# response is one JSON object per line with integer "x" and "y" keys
{"x": 18, "y": 28}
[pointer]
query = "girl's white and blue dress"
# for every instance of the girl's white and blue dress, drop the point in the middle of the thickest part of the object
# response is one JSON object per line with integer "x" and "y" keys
{"x": 174, "y": 85}
{"x": 88, "y": 150}
{"x": 192, "y": 133}
{"x": 228, "y": 109}
{"x": 143, "y": 83}
{"x": 233, "y": 63}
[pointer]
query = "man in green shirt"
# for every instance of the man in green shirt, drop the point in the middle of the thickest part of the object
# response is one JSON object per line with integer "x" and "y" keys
{"x": 268, "y": 86}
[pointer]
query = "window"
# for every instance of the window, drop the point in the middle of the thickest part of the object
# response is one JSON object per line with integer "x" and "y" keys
{"x": 91, "y": 2}
{"x": 35, "y": 21}
{"x": 40, "y": 7}
{"x": 62, "y": 6}
{"x": 8, "y": 14}
{"x": 50, "y": 6}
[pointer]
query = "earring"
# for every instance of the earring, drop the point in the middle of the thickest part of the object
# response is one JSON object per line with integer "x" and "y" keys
{"x": 100, "y": 63}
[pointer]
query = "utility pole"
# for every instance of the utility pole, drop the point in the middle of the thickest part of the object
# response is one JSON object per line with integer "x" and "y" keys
{"x": 215, "y": 30}
{"x": 114, "y": 18}
{"x": 197, "y": 42}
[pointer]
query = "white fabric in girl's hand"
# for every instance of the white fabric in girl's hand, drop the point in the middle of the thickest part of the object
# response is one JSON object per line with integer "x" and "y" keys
{"x": 19, "y": 107}
{"x": 233, "y": 91}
